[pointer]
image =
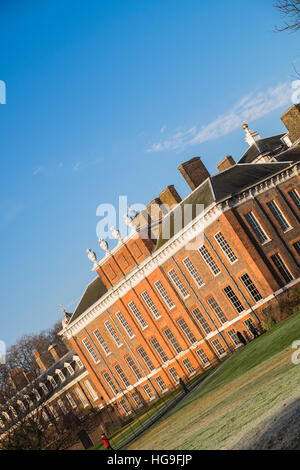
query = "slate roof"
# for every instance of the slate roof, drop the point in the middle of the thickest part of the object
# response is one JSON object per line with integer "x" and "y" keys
{"x": 292, "y": 154}
{"x": 270, "y": 145}
{"x": 42, "y": 378}
{"x": 216, "y": 188}
{"x": 92, "y": 293}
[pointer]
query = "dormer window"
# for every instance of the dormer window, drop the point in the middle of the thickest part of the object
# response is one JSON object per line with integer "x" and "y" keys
{"x": 44, "y": 388}
{"x": 6, "y": 416}
{"x": 69, "y": 368}
{"x": 13, "y": 411}
{"x": 21, "y": 405}
{"x": 52, "y": 381}
{"x": 36, "y": 394}
{"x": 60, "y": 375}
{"x": 28, "y": 399}
{"x": 78, "y": 362}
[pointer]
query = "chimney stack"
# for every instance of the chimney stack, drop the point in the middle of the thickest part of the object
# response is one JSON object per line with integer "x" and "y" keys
{"x": 227, "y": 162}
{"x": 18, "y": 379}
{"x": 169, "y": 197}
{"x": 55, "y": 352}
{"x": 194, "y": 172}
{"x": 44, "y": 361}
{"x": 291, "y": 120}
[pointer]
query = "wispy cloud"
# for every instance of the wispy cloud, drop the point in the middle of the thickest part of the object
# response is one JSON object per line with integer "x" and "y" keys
{"x": 76, "y": 166}
{"x": 86, "y": 164}
{"x": 247, "y": 109}
{"x": 38, "y": 170}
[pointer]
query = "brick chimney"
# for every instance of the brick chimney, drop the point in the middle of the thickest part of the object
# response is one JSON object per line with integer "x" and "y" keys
{"x": 291, "y": 120}
{"x": 156, "y": 213}
{"x": 169, "y": 196}
{"x": 194, "y": 172}
{"x": 154, "y": 209}
{"x": 142, "y": 219}
{"x": 55, "y": 352}
{"x": 18, "y": 379}
{"x": 227, "y": 162}
{"x": 44, "y": 361}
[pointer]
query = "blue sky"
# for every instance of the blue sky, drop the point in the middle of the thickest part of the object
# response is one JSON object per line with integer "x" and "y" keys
{"x": 107, "y": 98}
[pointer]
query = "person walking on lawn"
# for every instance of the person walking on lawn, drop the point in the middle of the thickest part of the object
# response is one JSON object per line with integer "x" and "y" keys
{"x": 106, "y": 443}
{"x": 183, "y": 386}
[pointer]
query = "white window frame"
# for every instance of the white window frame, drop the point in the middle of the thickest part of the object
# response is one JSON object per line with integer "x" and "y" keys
{"x": 146, "y": 358}
{"x": 91, "y": 390}
{"x": 150, "y": 304}
{"x": 81, "y": 397}
{"x": 218, "y": 347}
{"x": 71, "y": 400}
{"x": 209, "y": 260}
{"x": 131, "y": 364}
{"x": 176, "y": 281}
{"x": 61, "y": 375}
{"x": 158, "y": 349}
{"x": 113, "y": 333}
{"x": 188, "y": 264}
{"x": 225, "y": 247}
{"x": 110, "y": 383}
{"x": 90, "y": 350}
{"x": 101, "y": 341}
{"x": 137, "y": 315}
{"x": 256, "y": 221}
{"x": 125, "y": 325}
{"x": 203, "y": 357}
{"x": 188, "y": 366}
{"x": 122, "y": 375}
{"x": 186, "y": 330}
{"x": 278, "y": 214}
{"x": 164, "y": 294}
{"x": 172, "y": 340}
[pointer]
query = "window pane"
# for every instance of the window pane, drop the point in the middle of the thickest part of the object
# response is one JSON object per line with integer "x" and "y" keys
{"x": 209, "y": 260}
{"x": 251, "y": 288}
{"x": 278, "y": 215}
{"x": 225, "y": 247}
{"x": 278, "y": 261}
{"x": 257, "y": 229}
{"x": 178, "y": 284}
{"x": 233, "y": 299}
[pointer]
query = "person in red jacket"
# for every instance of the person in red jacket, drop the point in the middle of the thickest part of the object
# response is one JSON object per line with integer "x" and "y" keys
{"x": 106, "y": 443}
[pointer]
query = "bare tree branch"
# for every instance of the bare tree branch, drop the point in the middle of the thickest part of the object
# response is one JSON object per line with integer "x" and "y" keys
{"x": 290, "y": 10}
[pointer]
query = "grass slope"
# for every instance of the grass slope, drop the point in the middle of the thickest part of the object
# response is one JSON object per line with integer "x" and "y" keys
{"x": 255, "y": 382}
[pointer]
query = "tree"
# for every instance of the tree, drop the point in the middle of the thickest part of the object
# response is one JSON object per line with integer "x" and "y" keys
{"x": 21, "y": 356}
{"x": 290, "y": 10}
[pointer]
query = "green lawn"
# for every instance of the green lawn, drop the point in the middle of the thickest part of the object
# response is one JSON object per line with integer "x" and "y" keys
{"x": 242, "y": 392}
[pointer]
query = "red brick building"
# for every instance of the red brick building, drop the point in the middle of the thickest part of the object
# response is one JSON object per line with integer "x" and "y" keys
{"x": 168, "y": 306}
